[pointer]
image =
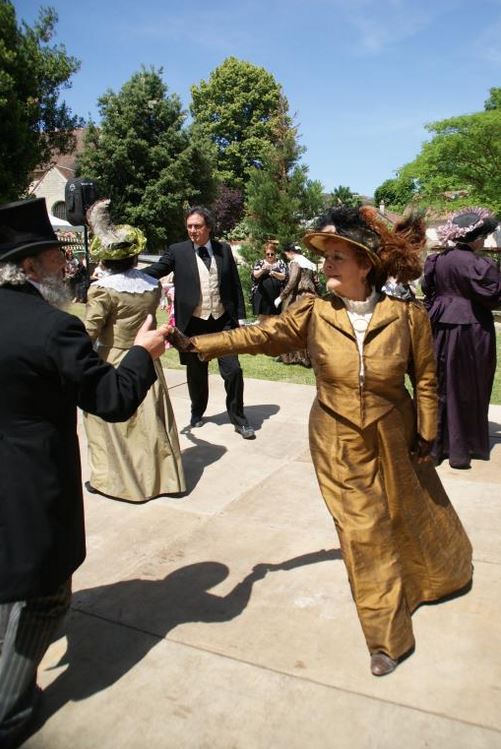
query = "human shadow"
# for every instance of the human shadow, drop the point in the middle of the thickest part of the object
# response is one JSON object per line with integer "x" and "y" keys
{"x": 256, "y": 415}
{"x": 112, "y": 627}
{"x": 197, "y": 458}
{"x": 494, "y": 434}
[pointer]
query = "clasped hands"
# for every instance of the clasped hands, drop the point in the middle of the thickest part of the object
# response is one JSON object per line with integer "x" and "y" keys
{"x": 153, "y": 339}
{"x": 179, "y": 341}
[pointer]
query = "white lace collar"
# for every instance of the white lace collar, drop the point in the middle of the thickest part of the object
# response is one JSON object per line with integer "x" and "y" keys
{"x": 364, "y": 307}
{"x": 132, "y": 281}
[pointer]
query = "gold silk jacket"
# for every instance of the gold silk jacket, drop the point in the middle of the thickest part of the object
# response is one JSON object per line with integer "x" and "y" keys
{"x": 398, "y": 342}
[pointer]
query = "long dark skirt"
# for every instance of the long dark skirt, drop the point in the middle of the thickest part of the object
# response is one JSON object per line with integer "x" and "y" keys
{"x": 466, "y": 363}
{"x": 265, "y": 293}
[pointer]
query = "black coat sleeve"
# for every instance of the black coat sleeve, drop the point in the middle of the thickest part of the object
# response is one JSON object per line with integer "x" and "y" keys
{"x": 92, "y": 384}
{"x": 162, "y": 267}
{"x": 236, "y": 286}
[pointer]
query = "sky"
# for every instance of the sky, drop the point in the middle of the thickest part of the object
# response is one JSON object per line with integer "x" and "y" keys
{"x": 362, "y": 77}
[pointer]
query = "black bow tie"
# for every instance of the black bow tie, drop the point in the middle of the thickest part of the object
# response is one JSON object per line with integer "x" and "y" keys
{"x": 203, "y": 252}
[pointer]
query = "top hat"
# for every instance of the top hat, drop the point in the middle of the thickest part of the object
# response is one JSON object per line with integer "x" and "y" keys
{"x": 25, "y": 230}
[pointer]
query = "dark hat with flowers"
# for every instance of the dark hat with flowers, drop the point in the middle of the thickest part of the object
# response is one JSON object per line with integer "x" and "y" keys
{"x": 466, "y": 225}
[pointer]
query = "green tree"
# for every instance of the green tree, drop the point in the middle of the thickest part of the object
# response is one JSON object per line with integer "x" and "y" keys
{"x": 33, "y": 122}
{"x": 145, "y": 161}
{"x": 494, "y": 100}
{"x": 396, "y": 193}
{"x": 280, "y": 197}
{"x": 344, "y": 196}
{"x": 463, "y": 156}
{"x": 237, "y": 109}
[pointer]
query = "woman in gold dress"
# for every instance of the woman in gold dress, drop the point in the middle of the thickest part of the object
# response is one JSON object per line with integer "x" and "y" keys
{"x": 401, "y": 540}
{"x": 140, "y": 458}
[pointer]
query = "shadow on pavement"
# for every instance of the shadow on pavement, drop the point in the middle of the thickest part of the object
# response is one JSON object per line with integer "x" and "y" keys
{"x": 197, "y": 458}
{"x": 112, "y": 627}
{"x": 256, "y": 415}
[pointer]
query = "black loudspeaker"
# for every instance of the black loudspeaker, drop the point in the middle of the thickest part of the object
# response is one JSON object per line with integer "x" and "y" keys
{"x": 79, "y": 194}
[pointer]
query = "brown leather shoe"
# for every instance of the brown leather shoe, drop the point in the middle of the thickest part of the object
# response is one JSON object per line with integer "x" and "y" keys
{"x": 382, "y": 664}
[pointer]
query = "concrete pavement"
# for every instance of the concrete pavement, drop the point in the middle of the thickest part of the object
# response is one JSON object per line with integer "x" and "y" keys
{"x": 180, "y": 638}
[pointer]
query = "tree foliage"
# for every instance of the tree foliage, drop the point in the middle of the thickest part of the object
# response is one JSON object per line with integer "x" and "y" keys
{"x": 145, "y": 161}
{"x": 237, "y": 108}
{"x": 280, "y": 197}
{"x": 33, "y": 123}
{"x": 494, "y": 100}
{"x": 228, "y": 208}
{"x": 396, "y": 193}
{"x": 463, "y": 156}
{"x": 342, "y": 195}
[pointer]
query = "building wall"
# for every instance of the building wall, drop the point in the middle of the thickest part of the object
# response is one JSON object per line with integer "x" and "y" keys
{"x": 51, "y": 187}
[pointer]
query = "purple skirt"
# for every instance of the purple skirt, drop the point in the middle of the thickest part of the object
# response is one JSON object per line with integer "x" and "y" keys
{"x": 466, "y": 363}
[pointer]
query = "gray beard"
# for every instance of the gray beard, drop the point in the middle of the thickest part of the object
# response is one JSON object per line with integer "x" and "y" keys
{"x": 55, "y": 291}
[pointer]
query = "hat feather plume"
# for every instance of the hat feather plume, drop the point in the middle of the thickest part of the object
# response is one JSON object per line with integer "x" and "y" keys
{"x": 99, "y": 219}
{"x": 401, "y": 246}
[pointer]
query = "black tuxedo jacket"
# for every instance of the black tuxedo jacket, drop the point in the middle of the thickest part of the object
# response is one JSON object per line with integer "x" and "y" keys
{"x": 47, "y": 368}
{"x": 180, "y": 258}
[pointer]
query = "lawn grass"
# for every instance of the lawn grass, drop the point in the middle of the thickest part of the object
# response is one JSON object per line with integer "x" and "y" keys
{"x": 262, "y": 367}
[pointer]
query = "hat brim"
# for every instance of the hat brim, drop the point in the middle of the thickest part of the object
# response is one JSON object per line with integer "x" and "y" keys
{"x": 31, "y": 248}
{"x": 321, "y": 242}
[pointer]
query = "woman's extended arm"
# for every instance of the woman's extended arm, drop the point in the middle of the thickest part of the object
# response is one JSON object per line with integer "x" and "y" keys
{"x": 273, "y": 336}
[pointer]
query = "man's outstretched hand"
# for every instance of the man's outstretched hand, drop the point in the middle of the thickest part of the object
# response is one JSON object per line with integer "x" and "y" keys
{"x": 152, "y": 339}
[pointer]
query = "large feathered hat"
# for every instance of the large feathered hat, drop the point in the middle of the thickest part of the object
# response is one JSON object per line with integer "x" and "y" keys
{"x": 393, "y": 251}
{"x": 112, "y": 242}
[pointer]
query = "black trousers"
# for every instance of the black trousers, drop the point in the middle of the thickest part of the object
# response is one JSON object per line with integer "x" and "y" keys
{"x": 26, "y": 631}
{"x": 197, "y": 373}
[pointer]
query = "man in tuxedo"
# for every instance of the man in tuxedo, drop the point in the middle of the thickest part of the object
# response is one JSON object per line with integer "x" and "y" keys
{"x": 48, "y": 367}
{"x": 208, "y": 299}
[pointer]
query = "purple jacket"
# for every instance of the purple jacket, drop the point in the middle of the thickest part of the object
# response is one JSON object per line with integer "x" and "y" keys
{"x": 461, "y": 287}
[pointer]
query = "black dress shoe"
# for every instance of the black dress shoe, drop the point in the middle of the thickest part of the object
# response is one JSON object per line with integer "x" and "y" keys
{"x": 382, "y": 664}
{"x": 196, "y": 421}
{"x": 247, "y": 432}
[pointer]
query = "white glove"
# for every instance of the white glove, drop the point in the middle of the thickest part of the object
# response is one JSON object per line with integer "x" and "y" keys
{"x": 278, "y": 302}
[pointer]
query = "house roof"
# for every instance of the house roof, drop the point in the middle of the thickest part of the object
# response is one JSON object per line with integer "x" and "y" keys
{"x": 64, "y": 163}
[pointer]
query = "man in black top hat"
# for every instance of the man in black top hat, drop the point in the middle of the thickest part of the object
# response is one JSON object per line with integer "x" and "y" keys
{"x": 47, "y": 368}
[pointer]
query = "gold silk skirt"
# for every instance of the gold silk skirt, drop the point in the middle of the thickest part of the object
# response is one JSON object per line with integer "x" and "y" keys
{"x": 401, "y": 539}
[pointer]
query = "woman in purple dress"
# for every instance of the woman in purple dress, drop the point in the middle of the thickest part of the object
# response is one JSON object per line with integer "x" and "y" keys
{"x": 461, "y": 288}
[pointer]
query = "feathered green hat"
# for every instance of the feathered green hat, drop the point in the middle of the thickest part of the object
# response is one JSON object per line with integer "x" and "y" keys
{"x": 112, "y": 242}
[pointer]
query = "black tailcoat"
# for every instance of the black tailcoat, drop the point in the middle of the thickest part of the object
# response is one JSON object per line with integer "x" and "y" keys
{"x": 180, "y": 258}
{"x": 47, "y": 368}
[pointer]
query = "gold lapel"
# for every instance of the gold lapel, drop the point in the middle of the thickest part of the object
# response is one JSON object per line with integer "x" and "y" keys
{"x": 385, "y": 312}
{"x": 332, "y": 310}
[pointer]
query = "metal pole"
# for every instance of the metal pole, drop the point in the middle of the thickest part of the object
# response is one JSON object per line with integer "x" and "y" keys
{"x": 87, "y": 260}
